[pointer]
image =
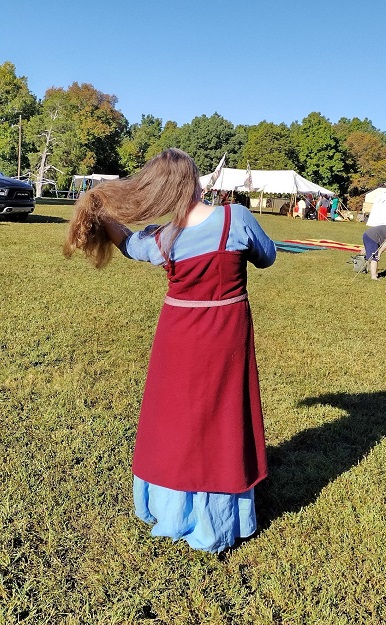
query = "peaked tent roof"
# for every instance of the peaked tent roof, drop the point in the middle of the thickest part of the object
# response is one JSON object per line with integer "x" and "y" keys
{"x": 280, "y": 181}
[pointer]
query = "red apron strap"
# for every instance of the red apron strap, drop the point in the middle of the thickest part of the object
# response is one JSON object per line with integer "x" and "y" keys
{"x": 225, "y": 230}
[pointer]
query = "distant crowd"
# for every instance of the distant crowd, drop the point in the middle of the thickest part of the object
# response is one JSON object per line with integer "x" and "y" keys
{"x": 322, "y": 208}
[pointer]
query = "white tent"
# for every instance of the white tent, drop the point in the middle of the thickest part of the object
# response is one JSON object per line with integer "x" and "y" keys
{"x": 78, "y": 182}
{"x": 378, "y": 211}
{"x": 372, "y": 196}
{"x": 281, "y": 181}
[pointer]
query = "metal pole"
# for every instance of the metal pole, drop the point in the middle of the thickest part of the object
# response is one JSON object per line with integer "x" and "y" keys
{"x": 19, "y": 153}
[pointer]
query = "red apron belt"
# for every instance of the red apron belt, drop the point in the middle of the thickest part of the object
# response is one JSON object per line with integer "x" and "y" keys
{"x": 185, "y": 303}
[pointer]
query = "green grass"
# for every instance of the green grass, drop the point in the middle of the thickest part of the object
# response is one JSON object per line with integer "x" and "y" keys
{"x": 74, "y": 350}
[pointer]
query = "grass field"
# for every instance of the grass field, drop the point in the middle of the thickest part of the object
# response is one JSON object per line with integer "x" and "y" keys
{"x": 74, "y": 347}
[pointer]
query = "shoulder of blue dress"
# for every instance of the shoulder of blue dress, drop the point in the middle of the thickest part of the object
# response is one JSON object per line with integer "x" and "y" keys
{"x": 238, "y": 208}
{"x": 238, "y": 211}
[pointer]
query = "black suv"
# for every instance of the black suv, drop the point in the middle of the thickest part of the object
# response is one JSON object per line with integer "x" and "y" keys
{"x": 16, "y": 198}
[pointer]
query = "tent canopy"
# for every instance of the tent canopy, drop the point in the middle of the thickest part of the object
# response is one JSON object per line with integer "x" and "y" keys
{"x": 281, "y": 181}
{"x": 94, "y": 179}
{"x": 378, "y": 210}
{"x": 372, "y": 196}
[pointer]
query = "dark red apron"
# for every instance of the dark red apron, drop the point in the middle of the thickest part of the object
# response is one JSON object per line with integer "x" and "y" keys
{"x": 201, "y": 425}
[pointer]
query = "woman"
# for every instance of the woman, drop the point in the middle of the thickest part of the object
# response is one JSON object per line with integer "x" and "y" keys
{"x": 374, "y": 241}
{"x": 200, "y": 444}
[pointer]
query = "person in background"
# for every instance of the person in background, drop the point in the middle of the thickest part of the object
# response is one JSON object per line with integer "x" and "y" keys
{"x": 323, "y": 205}
{"x": 302, "y": 207}
{"x": 374, "y": 241}
{"x": 334, "y": 207}
{"x": 203, "y": 199}
{"x": 317, "y": 206}
{"x": 310, "y": 207}
{"x": 200, "y": 447}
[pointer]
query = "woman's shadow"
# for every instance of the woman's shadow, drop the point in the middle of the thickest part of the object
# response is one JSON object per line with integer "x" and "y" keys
{"x": 302, "y": 466}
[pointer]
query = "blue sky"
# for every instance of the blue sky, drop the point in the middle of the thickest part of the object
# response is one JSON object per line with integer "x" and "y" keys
{"x": 248, "y": 60}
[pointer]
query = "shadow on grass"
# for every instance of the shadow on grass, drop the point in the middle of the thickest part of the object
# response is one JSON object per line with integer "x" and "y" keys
{"x": 46, "y": 219}
{"x": 302, "y": 466}
{"x": 36, "y": 219}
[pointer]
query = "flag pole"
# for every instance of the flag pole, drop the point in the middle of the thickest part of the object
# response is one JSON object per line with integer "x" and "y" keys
{"x": 248, "y": 182}
{"x": 214, "y": 177}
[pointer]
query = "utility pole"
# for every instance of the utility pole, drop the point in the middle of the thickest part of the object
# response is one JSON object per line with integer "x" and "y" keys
{"x": 19, "y": 152}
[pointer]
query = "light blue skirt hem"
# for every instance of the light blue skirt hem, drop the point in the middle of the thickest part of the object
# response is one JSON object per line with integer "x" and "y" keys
{"x": 207, "y": 521}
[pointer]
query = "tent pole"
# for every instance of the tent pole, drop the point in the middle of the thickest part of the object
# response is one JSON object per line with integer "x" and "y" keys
{"x": 292, "y": 204}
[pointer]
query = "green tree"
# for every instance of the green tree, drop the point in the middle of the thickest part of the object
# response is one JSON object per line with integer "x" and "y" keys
{"x": 368, "y": 151}
{"x": 17, "y": 106}
{"x": 346, "y": 126}
{"x": 76, "y": 131}
{"x": 134, "y": 148}
{"x": 169, "y": 138}
{"x": 322, "y": 156}
{"x": 269, "y": 146}
{"x": 366, "y": 148}
{"x": 207, "y": 138}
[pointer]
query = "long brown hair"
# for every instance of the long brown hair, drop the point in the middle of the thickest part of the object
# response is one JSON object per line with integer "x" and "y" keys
{"x": 167, "y": 184}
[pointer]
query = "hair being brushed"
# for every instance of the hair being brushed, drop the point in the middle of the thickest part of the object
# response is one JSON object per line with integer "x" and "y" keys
{"x": 167, "y": 184}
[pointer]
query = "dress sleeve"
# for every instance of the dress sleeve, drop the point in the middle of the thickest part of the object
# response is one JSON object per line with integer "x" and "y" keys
{"x": 142, "y": 246}
{"x": 262, "y": 250}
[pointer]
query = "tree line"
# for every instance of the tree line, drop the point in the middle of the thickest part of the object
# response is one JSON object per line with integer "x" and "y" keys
{"x": 79, "y": 130}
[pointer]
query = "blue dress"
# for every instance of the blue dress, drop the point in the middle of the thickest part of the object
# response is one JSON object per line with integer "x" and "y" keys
{"x": 206, "y": 520}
